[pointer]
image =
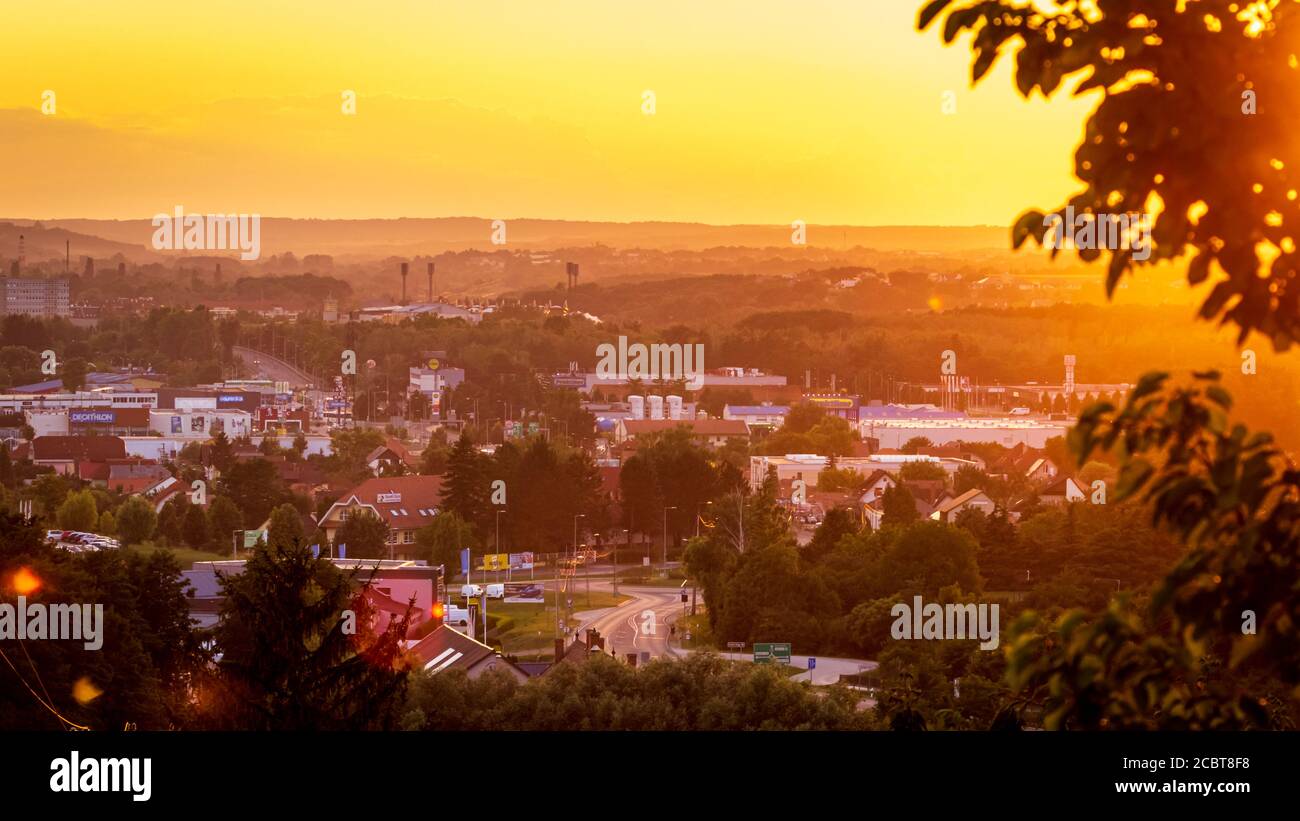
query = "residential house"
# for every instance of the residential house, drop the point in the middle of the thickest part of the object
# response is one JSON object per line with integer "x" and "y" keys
{"x": 404, "y": 503}
{"x": 1063, "y": 491}
{"x": 448, "y": 649}
{"x": 973, "y": 499}
{"x": 713, "y": 433}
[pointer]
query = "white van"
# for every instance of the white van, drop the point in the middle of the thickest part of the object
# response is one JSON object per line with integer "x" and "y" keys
{"x": 471, "y": 591}
{"x": 496, "y": 591}
{"x": 456, "y": 617}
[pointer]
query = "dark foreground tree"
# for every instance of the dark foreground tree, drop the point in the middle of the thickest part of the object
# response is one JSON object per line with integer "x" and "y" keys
{"x": 297, "y": 651}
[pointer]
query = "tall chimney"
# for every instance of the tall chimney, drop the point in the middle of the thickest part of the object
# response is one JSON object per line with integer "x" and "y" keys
{"x": 406, "y": 269}
{"x": 431, "y": 282}
{"x": 22, "y": 252}
{"x": 90, "y": 268}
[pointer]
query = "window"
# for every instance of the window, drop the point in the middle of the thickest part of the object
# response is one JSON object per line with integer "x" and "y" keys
{"x": 408, "y": 537}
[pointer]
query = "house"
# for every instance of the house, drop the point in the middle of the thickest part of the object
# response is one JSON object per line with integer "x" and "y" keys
{"x": 713, "y": 433}
{"x": 66, "y": 453}
{"x": 1062, "y": 491}
{"x": 386, "y": 459}
{"x": 404, "y": 503}
{"x": 973, "y": 499}
{"x": 873, "y": 488}
{"x": 448, "y": 649}
{"x": 583, "y": 648}
{"x": 1042, "y": 471}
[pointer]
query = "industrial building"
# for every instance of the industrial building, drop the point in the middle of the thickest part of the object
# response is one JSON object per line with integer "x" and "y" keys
{"x": 34, "y": 297}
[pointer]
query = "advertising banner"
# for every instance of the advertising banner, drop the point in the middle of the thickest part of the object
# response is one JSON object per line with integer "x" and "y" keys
{"x": 525, "y": 592}
{"x": 495, "y": 561}
{"x": 521, "y": 561}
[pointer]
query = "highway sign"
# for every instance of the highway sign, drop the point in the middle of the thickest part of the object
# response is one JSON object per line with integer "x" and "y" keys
{"x": 812, "y": 663}
{"x": 767, "y": 652}
{"x": 735, "y": 645}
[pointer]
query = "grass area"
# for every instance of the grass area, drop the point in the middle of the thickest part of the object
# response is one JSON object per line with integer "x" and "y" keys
{"x": 185, "y": 555}
{"x": 529, "y": 629}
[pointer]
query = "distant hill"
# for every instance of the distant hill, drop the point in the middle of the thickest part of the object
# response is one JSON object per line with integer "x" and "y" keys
{"x": 381, "y": 238}
{"x": 45, "y": 241}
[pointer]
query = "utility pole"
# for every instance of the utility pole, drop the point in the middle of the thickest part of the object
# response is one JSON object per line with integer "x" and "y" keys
{"x": 666, "y": 509}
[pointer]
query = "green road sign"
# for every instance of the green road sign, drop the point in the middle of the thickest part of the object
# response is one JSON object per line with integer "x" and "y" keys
{"x": 767, "y": 652}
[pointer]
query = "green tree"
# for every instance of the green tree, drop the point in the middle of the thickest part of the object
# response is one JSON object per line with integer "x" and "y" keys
{"x": 293, "y": 659}
{"x": 136, "y": 521}
{"x": 107, "y": 524}
{"x": 922, "y": 471}
{"x": 256, "y": 488}
{"x": 898, "y": 506}
{"x": 366, "y": 536}
{"x": 441, "y": 541}
{"x": 224, "y": 518}
{"x": 466, "y": 483}
{"x": 286, "y": 526}
{"x": 195, "y": 529}
{"x": 915, "y": 444}
{"x": 78, "y": 511}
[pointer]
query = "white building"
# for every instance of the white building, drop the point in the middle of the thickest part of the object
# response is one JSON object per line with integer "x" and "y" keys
{"x": 1008, "y": 432}
{"x": 201, "y": 424}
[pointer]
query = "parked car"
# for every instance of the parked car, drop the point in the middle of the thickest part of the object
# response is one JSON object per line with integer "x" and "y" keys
{"x": 471, "y": 591}
{"x": 496, "y": 591}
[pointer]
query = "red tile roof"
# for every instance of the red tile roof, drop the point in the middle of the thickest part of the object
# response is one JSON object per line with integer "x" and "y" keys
{"x": 399, "y": 500}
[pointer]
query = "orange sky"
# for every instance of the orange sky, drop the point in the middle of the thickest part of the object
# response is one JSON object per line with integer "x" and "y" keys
{"x": 827, "y": 111}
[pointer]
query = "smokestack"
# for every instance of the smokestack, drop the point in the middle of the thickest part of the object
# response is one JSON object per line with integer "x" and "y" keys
{"x": 67, "y": 255}
{"x": 22, "y": 252}
{"x": 90, "y": 268}
{"x": 430, "y": 282}
{"x": 406, "y": 269}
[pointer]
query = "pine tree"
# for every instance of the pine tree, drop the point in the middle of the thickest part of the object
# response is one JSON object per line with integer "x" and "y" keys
{"x": 298, "y": 652}
{"x": 465, "y": 489}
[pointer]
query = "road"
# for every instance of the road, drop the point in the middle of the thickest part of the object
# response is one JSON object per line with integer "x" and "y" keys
{"x": 642, "y": 625}
{"x": 265, "y": 366}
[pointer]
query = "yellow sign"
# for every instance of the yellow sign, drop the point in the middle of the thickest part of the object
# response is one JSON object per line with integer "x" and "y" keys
{"x": 495, "y": 561}
{"x": 433, "y": 364}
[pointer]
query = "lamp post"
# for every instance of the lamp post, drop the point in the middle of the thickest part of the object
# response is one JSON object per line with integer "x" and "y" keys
{"x": 576, "y": 517}
{"x": 498, "y": 543}
{"x": 627, "y": 534}
{"x": 697, "y": 517}
{"x": 666, "y": 509}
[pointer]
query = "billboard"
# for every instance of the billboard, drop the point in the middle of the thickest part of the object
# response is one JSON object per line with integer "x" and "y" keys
{"x": 525, "y": 593}
{"x": 569, "y": 380}
{"x": 176, "y": 424}
{"x": 495, "y": 561}
{"x": 521, "y": 561}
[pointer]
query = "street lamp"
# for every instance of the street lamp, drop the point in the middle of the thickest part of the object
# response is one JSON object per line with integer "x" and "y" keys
{"x": 697, "y": 517}
{"x": 666, "y": 509}
{"x": 626, "y": 535}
